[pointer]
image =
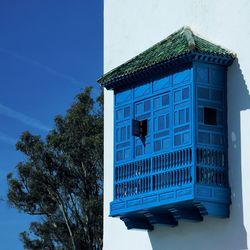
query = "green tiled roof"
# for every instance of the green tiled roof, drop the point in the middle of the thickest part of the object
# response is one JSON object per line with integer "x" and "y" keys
{"x": 177, "y": 44}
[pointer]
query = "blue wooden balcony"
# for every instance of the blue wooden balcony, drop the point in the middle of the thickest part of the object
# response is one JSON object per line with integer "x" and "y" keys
{"x": 170, "y": 133}
{"x": 168, "y": 187}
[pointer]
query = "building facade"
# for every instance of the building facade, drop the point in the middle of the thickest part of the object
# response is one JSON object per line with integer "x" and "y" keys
{"x": 130, "y": 27}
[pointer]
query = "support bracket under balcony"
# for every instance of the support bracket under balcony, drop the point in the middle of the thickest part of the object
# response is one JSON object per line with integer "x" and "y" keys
{"x": 162, "y": 218}
{"x": 137, "y": 223}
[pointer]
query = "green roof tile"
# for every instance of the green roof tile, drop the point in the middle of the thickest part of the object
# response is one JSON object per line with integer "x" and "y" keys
{"x": 177, "y": 44}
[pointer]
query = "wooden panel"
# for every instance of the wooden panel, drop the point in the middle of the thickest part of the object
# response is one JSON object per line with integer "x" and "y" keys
{"x": 123, "y": 97}
{"x": 202, "y": 74}
{"x": 182, "y": 77}
{"x": 161, "y": 84}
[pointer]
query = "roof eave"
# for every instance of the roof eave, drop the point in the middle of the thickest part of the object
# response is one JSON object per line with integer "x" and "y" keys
{"x": 168, "y": 64}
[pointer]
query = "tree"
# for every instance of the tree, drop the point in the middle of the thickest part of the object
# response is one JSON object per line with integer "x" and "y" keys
{"x": 61, "y": 180}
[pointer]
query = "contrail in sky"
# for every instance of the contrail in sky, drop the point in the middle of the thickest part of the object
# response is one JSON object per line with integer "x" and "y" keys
{"x": 42, "y": 66}
{"x": 7, "y": 139}
{"x": 6, "y": 111}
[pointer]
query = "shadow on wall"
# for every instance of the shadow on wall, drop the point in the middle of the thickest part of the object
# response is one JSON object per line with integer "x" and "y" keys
{"x": 216, "y": 233}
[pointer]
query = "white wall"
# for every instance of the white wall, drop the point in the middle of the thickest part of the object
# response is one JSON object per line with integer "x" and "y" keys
{"x": 130, "y": 27}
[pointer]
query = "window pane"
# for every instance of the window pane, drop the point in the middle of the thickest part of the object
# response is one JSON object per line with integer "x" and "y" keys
{"x": 119, "y": 155}
{"x": 187, "y": 115}
{"x": 185, "y": 93}
{"x": 123, "y": 133}
{"x": 210, "y": 115}
{"x": 161, "y": 124}
{"x": 147, "y": 105}
{"x": 167, "y": 120}
{"x": 181, "y": 116}
{"x": 126, "y": 111}
{"x": 138, "y": 150}
{"x": 165, "y": 100}
{"x": 157, "y": 145}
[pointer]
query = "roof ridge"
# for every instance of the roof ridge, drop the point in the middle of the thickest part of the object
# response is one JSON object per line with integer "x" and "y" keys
{"x": 189, "y": 35}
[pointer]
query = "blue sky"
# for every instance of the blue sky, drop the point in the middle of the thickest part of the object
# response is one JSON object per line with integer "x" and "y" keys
{"x": 49, "y": 51}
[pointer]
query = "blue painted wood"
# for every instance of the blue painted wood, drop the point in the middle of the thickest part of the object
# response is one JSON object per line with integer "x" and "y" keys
{"x": 179, "y": 170}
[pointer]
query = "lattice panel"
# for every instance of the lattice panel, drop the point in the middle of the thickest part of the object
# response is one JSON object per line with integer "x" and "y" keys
{"x": 162, "y": 171}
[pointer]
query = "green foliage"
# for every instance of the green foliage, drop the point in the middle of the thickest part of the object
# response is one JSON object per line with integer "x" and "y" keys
{"x": 61, "y": 180}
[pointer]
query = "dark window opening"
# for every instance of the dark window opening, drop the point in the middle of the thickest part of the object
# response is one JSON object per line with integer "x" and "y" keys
{"x": 139, "y": 128}
{"x": 210, "y": 115}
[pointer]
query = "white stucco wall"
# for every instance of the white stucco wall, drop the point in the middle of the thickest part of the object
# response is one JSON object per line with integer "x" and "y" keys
{"x": 131, "y": 26}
